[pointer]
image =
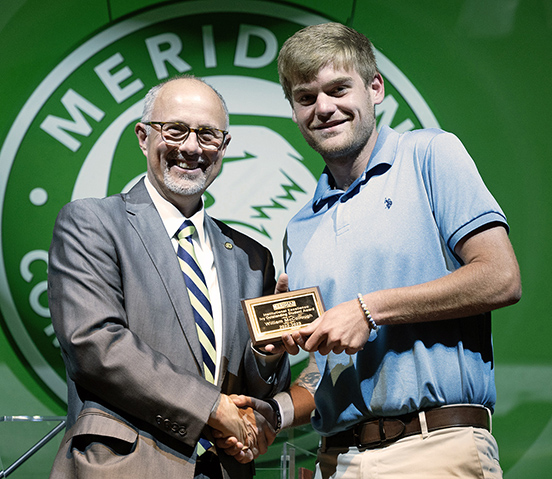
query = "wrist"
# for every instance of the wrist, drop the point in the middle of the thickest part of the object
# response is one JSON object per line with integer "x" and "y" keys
{"x": 286, "y": 407}
{"x": 215, "y": 406}
{"x": 277, "y": 423}
{"x": 219, "y": 411}
{"x": 371, "y": 323}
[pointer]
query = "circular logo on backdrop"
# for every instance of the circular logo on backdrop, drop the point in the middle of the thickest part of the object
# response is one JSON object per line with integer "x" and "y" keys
{"x": 74, "y": 138}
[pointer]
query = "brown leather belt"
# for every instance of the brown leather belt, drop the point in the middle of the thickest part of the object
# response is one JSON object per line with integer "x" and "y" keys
{"x": 382, "y": 431}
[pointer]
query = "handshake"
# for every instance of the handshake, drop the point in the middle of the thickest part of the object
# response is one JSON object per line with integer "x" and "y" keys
{"x": 243, "y": 426}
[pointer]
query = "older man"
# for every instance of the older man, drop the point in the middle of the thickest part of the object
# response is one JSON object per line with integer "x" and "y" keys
{"x": 145, "y": 291}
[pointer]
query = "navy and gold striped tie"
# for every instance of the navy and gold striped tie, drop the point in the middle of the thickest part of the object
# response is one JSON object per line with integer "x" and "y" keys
{"x": 201, "y": 305}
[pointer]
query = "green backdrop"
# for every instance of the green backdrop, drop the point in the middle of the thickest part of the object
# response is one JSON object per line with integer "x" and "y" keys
{"x": 481, "y": 68}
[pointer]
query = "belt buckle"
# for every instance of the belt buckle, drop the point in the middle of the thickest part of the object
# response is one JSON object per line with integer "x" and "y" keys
{"x": 383, "y": 438}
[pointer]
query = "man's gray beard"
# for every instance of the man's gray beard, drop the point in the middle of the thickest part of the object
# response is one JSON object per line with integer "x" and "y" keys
{"x": 186, "y": 188}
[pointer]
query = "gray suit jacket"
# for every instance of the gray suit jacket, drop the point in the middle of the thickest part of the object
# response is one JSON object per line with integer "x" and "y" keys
{"x": 137, "y": 402}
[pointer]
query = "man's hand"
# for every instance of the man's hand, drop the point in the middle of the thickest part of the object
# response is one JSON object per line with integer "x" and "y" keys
{"x": 227, "y": 419}
{"x": 262, "y": 407}
{"x": 341, "y": 328}
{"x": 259, "y": 434}
{"x": 282, "y": 286}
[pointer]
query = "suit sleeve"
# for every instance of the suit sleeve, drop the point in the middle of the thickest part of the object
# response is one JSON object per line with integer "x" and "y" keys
{"x": 102, "y": 352}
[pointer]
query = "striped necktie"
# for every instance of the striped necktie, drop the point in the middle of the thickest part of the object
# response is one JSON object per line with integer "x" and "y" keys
{"x": 201, "y": 305}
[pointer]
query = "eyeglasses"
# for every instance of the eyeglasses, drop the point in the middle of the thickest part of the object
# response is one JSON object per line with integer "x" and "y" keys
{"x": 175, "y": 133}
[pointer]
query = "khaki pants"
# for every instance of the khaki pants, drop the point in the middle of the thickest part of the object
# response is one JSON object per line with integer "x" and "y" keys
{"x": 463, "y": 452}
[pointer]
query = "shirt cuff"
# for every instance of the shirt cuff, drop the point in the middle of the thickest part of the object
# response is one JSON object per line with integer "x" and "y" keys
{"x": 286, "y": 408}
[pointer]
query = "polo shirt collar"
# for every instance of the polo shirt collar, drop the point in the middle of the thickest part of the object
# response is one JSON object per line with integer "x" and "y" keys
{"x": 383, "y": 154}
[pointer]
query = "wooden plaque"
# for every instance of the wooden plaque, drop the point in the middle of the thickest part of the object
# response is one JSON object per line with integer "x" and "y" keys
{"x": 268, "y": 317}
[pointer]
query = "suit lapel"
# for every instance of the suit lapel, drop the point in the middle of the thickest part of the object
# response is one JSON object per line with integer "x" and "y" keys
{"x": 227, "y": 272}
{"x": 145, "y": 219}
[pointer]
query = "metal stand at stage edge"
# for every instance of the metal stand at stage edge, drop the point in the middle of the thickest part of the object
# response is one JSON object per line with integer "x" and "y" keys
{"x": 47, "y": 438}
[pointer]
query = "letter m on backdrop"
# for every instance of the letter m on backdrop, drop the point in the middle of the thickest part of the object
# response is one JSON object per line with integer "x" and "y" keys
{"x": 58, "y": 128}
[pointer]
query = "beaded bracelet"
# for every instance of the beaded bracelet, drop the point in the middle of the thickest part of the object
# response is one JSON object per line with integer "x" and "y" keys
{"x": 371, "y": 323}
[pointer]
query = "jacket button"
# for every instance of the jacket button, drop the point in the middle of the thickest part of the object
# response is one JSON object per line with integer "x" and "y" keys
{"x": 182, "y": 431}
{"x": 158, "y": 419}
{"x": 175, "y": 427}
{"x": 167, "y": 423}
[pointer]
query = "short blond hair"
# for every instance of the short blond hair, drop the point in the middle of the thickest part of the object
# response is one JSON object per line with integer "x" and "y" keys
{"x": 313, "y": 47}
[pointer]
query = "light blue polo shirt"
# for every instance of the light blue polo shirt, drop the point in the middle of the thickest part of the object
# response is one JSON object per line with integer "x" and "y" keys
{"x": 396, "y": 225}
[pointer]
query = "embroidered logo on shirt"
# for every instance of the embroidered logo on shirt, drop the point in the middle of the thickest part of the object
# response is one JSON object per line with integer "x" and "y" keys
{"x": 387, "y": 202}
